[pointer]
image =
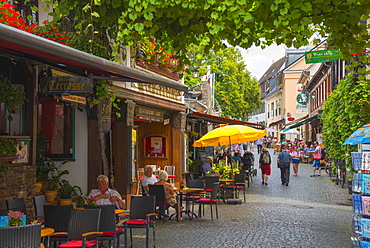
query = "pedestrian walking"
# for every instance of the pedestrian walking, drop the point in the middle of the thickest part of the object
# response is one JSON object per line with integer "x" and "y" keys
{"x": 284, "y": 159}
{"x": 316, "y": 158}
{"x": 296, "y": 157}
{"x": 259, "y": 143}
{"x": 265, "y": 165}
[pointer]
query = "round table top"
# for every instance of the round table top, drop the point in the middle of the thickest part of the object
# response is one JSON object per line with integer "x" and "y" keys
{"x": 46, "y": 231}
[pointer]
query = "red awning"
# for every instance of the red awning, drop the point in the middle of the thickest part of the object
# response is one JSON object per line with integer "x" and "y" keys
{"x": 223, "y": 120}
{"x": 276, "y": 122}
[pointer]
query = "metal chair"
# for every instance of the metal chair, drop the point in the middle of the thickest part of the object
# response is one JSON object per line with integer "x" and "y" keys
{"x": 160, "y": 198}
{"x": 57, "y": 217}
{"x": 171, "y": 172}
{"x": 210, "y": 200}
{"x": 238, "y": 185}
{"x": 83, "y": 228}
{"x": 39, "y": 202}
{"x": 18, "y": 204}
{"x": 107, "y": 225}
{"x": 20, "y": 236}
{"x": 142, "y": 215}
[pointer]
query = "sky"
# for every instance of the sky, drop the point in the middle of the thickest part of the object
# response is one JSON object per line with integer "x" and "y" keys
{"x": 258, "y": 60}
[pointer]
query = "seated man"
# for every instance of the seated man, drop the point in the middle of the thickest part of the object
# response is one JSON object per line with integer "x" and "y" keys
{"x": 105, "y": 195}
{"x": 148, "y": 178}
{"x": 207, "y": 166}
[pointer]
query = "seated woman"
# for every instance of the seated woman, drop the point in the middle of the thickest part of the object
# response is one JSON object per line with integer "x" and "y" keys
{"x": 169, "y": 193}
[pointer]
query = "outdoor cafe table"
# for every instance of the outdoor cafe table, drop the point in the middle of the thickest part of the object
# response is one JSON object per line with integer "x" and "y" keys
{"x": 187, "y": 191}
{"x": 46, "y": 232}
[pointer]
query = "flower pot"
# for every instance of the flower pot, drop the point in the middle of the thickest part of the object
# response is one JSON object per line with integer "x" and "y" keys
{"x": 65, "y": 201}
{"x": 50, "y": 195}
{"x": 182, "y": 186}
{"x": 38, "y": 186}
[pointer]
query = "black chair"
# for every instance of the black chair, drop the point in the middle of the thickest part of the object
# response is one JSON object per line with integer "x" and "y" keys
{"x": 20, "y": 236}
{"x": 107, "y": 225}
{"x": 18, "y": 204}
{"x": 39, "y": 202}
{"x": 209, "y": 182}
{"x": 238, "y": 185}
{"x": 190, "y": 197}
{"x": 83, "y": 228}
{"x": 4, "y": 212}
{"x": 209, "y": 199}
{"x": 57, "y": 217}
{"x": 142, "y": 215}
{"x": 160, "y": 198}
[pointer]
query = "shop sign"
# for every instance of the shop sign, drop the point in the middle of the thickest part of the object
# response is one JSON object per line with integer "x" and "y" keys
{"x": 73, "y": 98}
{"x": 302, "y": 98}
{"x": 299, "y": 106}
{"x": 66, "y": 84}
{"x": 322, "y": 56}
{"x": 144, "y": 113}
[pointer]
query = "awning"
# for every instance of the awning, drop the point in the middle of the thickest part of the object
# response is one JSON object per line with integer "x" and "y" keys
{"x": 304, "y": 121}
{"x": 276, "y": 122}
{"x": 222, "y": 120}
{"x": 32, "y": 47}
{"x": 288, "y": 125}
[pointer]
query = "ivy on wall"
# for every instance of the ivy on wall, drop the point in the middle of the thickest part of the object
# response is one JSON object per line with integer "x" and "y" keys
{"x": 346, "y": 109}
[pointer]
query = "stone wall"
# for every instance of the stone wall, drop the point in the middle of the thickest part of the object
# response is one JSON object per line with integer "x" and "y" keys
{"x": 16, "y": 183}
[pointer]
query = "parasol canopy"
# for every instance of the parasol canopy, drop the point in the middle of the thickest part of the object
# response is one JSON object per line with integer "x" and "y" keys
{"x": 360, "y": 136}
{"x": 271, "y": 130}
{"x": 227, "y": 135}
{"x": 290, "y": 131}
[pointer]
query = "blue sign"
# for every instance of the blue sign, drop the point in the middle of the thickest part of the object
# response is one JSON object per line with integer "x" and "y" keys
{"x": 302, "y": 98}
{"x": 299, "y": 106}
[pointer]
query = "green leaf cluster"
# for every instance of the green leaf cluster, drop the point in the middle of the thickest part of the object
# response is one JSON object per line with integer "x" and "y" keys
{"x": 210, "y": 23}
{"x": 345, "y": 110}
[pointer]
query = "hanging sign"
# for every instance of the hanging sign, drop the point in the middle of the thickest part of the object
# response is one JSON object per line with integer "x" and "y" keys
{"x": 302, "y": 98}
{"x": 322, "y": 56}
{"x": 66, "y": 84}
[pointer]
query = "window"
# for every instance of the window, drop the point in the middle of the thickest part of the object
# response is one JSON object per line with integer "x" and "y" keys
{"x": 58, "y": 127}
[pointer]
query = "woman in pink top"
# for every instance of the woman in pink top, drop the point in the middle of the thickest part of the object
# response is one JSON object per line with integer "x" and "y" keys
{"x": 296, "y": 156}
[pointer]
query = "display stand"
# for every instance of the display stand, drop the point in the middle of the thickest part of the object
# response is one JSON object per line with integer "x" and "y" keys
{"x": 361, "y": 199}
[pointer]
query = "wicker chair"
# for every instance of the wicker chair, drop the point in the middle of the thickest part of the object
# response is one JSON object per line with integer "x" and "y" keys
{"x": 107, "y": 225}
{"x": 20, "y": 236}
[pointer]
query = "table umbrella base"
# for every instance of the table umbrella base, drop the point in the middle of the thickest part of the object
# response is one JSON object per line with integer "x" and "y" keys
{"x": 232, "y": 201}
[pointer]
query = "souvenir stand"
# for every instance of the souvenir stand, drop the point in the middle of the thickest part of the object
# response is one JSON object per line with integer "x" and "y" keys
{"x": 361, "y": 199}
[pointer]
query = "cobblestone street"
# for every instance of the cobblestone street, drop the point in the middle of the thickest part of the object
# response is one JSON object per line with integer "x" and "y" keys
{"x": 310, "y": 212}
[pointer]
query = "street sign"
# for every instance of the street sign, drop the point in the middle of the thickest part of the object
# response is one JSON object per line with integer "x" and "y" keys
{"x": 322, "y": 56}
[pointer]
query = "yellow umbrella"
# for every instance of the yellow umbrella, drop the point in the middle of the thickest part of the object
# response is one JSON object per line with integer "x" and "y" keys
{"x": 228, "y": 135}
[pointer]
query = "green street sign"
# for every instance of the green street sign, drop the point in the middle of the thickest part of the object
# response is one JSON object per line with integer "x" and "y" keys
{"x": 322, "y": 56}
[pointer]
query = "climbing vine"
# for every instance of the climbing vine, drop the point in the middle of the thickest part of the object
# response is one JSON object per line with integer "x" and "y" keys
{"x": 345, "y": 110}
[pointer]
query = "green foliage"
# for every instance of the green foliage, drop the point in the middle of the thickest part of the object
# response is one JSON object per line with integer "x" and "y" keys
{"x": 54, "y": 174}
{"x": 345, "y": 110}
{"x": 11, "y": 95}
{"x": 209, "y": 23}
{"x": 67, "y": 191}
{"x": 235, "y": 90}
{"x": 8, "y": 146}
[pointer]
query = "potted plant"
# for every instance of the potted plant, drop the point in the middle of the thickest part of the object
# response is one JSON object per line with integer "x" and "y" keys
{"x": 15, "y": 218}
{"x": 182, "y": 184}
{"x": 66, "y": 192}
{"x": 54, "y": 176}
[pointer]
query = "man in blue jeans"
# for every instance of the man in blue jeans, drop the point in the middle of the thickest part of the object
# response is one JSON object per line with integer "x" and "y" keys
{"x": 284, "y": 159}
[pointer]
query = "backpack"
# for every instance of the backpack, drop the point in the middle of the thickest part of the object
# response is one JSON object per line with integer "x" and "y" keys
{"x": 265, "y": 158}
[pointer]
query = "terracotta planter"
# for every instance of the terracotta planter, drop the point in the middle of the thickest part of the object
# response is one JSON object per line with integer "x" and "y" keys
{"x": 65, "y": 201}
{"x": 50, "y": 195}
{"x": 38, "y": 186}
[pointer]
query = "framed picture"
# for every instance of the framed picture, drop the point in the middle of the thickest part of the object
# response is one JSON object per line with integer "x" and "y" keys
{"x": 155, "y": 146}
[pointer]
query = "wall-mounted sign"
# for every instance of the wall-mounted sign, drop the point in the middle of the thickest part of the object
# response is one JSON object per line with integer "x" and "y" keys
{"x": 144, "y": 113}
{"x": 72, "y": 98}
{"x": 322, "y": 56}
{"x": 300, "y": 106}
{"x": 302, "y": 98}
{"x": 66, "y": 84}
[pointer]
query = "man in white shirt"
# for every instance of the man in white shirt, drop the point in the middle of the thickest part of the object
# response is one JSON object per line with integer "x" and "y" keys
{"x": 148, "y": 178}
{"x": 105, "y": 195}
